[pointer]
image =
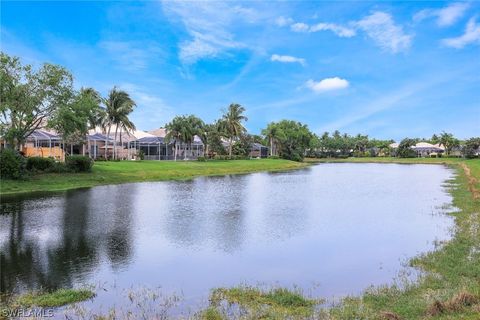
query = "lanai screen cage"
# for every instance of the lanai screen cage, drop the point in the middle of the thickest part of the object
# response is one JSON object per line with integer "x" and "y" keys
{"x": 156, "y": 148}
{"x": 43, "y": 144}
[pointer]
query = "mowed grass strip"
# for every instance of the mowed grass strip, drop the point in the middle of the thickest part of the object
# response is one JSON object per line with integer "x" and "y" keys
{"x": 115, "y": 172}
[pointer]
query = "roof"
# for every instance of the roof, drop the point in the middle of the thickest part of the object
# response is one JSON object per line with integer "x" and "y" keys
{"x": 393, "y": 145}
{"x": 160, "y": 132}
{"x": 439, "y": 145}
{"x": 43, "y": 135}
{"x": 141, "y": 134}
{"x": 257, "y": 146}
{"x": 98, "y": 137}
{"x": 151, "y": 140}
{"x": 426, "y": 145}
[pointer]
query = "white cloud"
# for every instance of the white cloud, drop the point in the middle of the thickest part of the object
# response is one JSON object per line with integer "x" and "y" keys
{"x": 282, "y": 21}
{"x": 129, "y": 55}
{"x": 300, "y": 27}
{"x": 209, "y": 25}
{"x": 471, "y": 36}
{"x": 287, "y": 59}
{"x": 446, "y": 16}
{"x": 328, "y": 84}
{"x": 335, "y": 28}
{"x": 152, "y": 111}
{"x": 385, "y": 33}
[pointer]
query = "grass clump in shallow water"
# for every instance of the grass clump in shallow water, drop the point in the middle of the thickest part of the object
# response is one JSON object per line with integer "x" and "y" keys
{"x": 56, "y": 298}
{"x": 254, "y": 303}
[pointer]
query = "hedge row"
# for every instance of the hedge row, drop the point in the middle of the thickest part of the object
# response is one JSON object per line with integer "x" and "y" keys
{"x": 15, "y": 166}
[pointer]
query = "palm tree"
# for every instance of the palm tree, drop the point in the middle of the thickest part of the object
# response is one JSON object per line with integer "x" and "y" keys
{"x": 448, "y": 141}
{"x": 232, "y": 123}
{"x": 271, "y": 132}
{"x": 178, "y": 132}
{"x": 118, "y": 106}
{"x": 195, "y": 127}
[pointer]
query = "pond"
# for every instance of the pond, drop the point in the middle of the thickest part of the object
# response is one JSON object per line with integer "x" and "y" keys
{"x": 332, "y": 229}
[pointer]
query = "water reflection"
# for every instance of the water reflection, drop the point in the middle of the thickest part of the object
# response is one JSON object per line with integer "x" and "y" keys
{"x": 344, "y": 226}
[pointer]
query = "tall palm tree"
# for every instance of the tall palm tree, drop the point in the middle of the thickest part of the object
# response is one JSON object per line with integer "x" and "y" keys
{"x": 118, "y": 106}
{"x": 195, "y": 127}
{"x": 271, "y": 132}
{"x": 176, "y": 132}
{"x": 232, "y": 123}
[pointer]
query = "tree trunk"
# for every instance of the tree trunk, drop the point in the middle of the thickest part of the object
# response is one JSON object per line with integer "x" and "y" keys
{"x": 271, "y": 146}
{"x": 230, "y": 148}
{"x": 175, "y": 152}
{"x": 115, "y": 143}
{"x": 121, "y": 143}
{"x": 106, "y": 142}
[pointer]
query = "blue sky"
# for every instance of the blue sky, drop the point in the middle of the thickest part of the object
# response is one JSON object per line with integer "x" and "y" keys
{"x": 386, "y": 69}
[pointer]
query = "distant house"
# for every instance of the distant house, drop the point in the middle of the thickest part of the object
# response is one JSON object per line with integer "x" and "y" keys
{"x": 258, "y": 151}
{"x": 425, "y": 149}
{"x": 422, "y": 149}
{"x": 155, "y": 147}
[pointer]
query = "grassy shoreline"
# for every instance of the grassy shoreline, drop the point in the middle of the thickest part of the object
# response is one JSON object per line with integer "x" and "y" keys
{"x": 111, "y": 172}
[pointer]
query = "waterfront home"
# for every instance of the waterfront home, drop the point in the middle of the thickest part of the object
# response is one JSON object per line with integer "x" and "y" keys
{"x": 425, "y": 149}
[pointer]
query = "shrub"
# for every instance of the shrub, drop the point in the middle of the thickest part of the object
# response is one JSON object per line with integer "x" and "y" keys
{"x": 201, "y": 159}
{"x": 79, "y": 163}
{"x": 273, "y": 157}
{"x": 58, "y": 167}
{"x": 141, "y": 154}
{"x": 12, "y": 164}
{"x": 39, "y": 163}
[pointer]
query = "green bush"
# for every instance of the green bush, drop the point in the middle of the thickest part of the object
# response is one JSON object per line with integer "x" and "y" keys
{"x": 273, "y": 157}
{"x": 201, "y": 159}
{"x": 39, "y": 163}
{"x": 79, "y": 163}
{"x": 12, "y": 164}
{"x": 58, "y": 167}
{"x": 141, "y": 154}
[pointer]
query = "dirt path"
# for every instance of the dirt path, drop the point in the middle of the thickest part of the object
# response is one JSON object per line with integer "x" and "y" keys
{"x": 471, "y": 181}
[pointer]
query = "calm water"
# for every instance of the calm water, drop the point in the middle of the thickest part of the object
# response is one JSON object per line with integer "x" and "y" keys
{"x": 336, "y": 228}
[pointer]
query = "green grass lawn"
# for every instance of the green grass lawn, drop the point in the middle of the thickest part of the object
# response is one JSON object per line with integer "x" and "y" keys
{"x": 112, "y": 172}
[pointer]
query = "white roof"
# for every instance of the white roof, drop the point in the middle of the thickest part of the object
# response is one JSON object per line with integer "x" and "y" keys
{"x": 424, "y": 145}
{"x": 135, "y": 134}
{"x": 141, "y": 134}
{"x": 393, "y": 145}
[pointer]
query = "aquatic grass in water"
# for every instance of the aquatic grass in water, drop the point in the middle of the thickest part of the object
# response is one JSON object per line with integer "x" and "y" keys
{"x": 254, "y": 303}
{"x": 56, "y": 298}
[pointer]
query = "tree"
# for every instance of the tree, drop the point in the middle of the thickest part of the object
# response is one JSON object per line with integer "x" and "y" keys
{"x": 243, "y": 145}
{"x": 211, "y": 135}
{"x": 232, "y": 123}
{"x": 118, "y": 107}
{"x": 195, "y": 126}
{"x": 472, "y": 148}
{"x": 174, "y": 133}
{"x": 294, "y": 138}
{"x": 448, "y": 141}
{"x": 405, "y": 148}
{"x": 271, "y": 133}
{"x": 28, "y": 97}
{"x": 72, "y": 120}
{"x": 434, "y": 139}
{"x": 182, "y": 129}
